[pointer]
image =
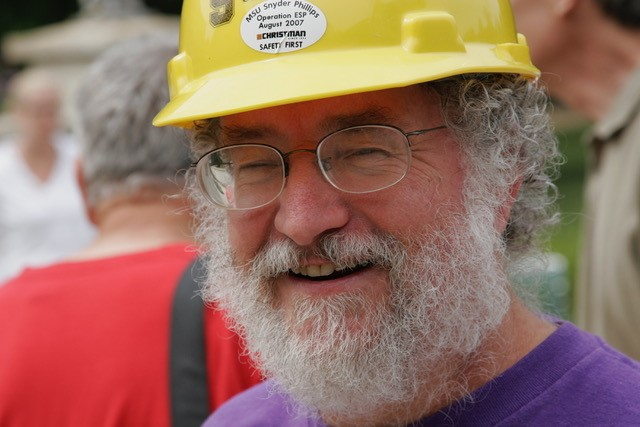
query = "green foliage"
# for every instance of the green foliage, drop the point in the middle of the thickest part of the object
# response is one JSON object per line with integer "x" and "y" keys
{"x": 25, "y": 14}
{"x": 566, "y": 238}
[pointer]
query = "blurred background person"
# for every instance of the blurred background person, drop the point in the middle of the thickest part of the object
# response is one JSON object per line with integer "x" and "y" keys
{"x": 589, "y": 54}
{"x": 86, "y": 342}
{"x": 42, "y": 218}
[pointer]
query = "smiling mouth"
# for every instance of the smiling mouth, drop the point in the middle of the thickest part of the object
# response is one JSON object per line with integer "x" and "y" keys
{"x": 325, "y": 272}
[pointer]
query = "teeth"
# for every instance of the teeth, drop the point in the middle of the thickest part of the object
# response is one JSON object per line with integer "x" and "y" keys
{"x": 315, "y": 270}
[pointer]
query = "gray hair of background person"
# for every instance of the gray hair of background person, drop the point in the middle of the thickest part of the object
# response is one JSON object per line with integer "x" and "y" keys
{"x": 626, "y": 12}
{"x": 123, "y": 153}
{"x": 505, "y": 133}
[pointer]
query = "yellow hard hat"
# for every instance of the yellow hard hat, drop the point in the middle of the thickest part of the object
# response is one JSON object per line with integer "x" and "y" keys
{"x": 242, "y": 55}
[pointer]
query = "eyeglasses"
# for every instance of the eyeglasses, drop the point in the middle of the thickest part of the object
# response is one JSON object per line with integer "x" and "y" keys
{"x": 358, "y": 159}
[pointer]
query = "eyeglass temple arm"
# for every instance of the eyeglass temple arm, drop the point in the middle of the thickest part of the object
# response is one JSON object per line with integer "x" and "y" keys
{"x": 421, "y": 131}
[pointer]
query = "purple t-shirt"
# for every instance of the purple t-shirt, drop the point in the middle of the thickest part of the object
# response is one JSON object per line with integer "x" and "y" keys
{"x": 571, "y": 379}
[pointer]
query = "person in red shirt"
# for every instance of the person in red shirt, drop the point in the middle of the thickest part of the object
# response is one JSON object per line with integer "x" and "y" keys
{"x": 86, "y": 342}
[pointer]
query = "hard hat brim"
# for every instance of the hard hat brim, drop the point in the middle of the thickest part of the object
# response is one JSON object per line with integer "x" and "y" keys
{"x": 291, "y": 79}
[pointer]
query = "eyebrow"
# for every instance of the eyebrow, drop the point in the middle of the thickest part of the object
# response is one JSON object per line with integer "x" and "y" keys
{"x": 378, "y": 115}
{"x": 242, "y": 134}
{"x": 231, "y": 134}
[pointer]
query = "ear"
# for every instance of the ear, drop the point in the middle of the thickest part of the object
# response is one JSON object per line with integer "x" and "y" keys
{"x": 82, "y": 185}
{"x": 504, "y": 212}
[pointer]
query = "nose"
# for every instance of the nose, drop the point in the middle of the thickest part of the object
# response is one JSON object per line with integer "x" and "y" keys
{"x": 309, "y": 206}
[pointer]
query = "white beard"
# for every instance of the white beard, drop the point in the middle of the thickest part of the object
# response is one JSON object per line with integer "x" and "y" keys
{"x": 347, "y": 356}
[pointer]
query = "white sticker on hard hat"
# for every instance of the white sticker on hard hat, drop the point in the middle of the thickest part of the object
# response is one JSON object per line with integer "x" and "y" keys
{"x": 279, "y": 26}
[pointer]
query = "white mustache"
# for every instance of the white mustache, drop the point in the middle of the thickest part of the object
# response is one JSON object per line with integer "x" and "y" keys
{"x": 342, "y": 251}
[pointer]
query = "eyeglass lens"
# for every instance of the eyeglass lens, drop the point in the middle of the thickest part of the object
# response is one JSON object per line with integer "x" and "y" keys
{"x": 360, "y": 159}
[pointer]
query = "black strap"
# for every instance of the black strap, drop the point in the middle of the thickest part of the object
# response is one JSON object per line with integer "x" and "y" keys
{"x": 188, "y": 377}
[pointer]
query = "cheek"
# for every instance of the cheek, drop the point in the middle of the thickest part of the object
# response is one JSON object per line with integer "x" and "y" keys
{"x": 432, "y": 193}
{"x": 418, "y": 205}
{"x": 248, "y": 232}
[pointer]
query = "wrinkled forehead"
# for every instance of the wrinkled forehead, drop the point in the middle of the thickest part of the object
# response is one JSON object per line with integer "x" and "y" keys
{"x": 406, "y": 107}
{"x": 400, "y": 107}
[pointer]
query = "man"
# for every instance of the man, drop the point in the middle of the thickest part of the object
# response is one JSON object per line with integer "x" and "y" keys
{"x": 86, "y": 342}
{"x": 589, "y": 52}
{"x": 368, "y": 172}
{"x": 40, "y": 202}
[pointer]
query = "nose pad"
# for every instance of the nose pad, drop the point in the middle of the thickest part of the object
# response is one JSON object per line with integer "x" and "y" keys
{"x": 287, "y": 155}
{"x": 314, "y": 171}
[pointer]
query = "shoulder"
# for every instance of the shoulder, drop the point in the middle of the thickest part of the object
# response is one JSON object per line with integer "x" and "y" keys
{"x": 571, "y": 378}
{"x": 588, "y": 359}
{"x": 19, "y": 293}
{"x": 260, "y": 406}
{"x": 604, "y": 362}
{"x": 583, "y": 380}
{"x": 609, "y": 376}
